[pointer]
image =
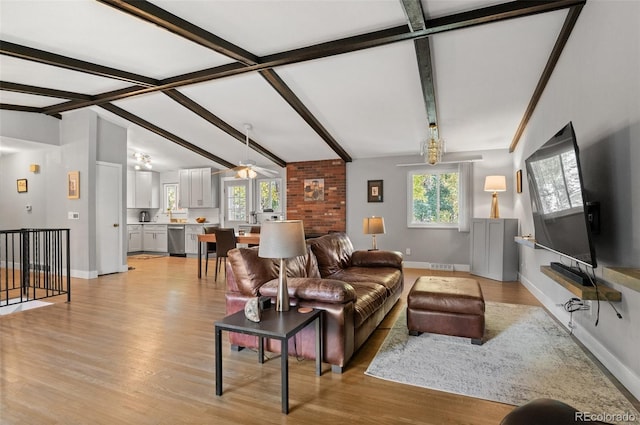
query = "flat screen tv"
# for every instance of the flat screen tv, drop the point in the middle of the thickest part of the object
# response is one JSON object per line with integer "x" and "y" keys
{"x": 560, "y": 213}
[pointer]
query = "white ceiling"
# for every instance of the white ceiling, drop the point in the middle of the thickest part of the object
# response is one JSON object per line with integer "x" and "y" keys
{"x": 370, "y": 101}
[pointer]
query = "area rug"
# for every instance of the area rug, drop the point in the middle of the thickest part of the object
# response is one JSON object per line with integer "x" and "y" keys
{"x": 526, "y": 355}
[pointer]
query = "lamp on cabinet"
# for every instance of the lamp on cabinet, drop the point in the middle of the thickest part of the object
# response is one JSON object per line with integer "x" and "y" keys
{"x": 495, "y": 184}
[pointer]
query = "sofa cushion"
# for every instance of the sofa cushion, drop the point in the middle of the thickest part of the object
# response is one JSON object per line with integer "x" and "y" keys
{"x": 302, "y": 266}
{"x": 389, "y": 277}
{"x": 370, "y": 297}
{"x": 316, "y": 289}
{"x": 333, "y": 252}
{"x": 251, "y": 271}
{"x": 362, "y": 258}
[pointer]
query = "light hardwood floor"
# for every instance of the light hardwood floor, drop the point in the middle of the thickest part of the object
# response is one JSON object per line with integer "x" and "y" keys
{"x": 138, "y": 348}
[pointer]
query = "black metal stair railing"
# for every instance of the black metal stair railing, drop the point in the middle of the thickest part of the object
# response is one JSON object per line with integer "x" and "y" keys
{"x": 34, "y": 264}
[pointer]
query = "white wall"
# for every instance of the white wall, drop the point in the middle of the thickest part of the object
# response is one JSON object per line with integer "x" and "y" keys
{"x": 596, "y": 85}
{"x": 83, "y": 138}
{"x": 30, "y": 127}
{"x": 426, "y": 245}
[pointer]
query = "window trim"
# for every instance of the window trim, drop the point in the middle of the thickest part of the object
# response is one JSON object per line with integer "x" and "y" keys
{"x": 259, "y": 193}
{"x": 165, "y": 199}
{"x": 436, "y": 169}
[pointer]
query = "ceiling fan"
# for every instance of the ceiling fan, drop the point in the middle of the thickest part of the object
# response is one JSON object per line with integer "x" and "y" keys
{"x": 248, "y": 169}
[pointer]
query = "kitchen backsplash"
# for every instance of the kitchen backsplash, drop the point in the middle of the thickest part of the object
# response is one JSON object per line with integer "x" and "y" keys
{"x": 160, "y": 216}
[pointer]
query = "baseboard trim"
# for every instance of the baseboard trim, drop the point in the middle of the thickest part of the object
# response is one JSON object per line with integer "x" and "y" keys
{"x": 622, "y": 373}
{"x": 426, "y": 265}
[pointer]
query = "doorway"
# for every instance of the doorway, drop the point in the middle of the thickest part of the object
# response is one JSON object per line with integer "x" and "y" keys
{"x": 109, "y": 251}
{"x": 236, "y": 202}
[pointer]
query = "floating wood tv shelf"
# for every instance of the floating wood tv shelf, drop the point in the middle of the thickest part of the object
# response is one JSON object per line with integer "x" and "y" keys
{"x": 583, "y": 292}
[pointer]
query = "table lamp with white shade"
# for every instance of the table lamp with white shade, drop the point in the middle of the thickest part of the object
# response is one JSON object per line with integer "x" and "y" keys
{"x": 373, "y": 226}
{"x": 495, "y": 184}
{"x": 282, "y": 239}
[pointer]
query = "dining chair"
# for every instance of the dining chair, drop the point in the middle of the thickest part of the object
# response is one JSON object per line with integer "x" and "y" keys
{"x": 254, "y": 229}
{"x": 225, "y": 241}
{"x": 211, "y": 247}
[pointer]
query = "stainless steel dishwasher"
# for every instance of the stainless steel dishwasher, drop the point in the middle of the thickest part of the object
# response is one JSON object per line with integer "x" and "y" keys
{"x": 175, "y": 234}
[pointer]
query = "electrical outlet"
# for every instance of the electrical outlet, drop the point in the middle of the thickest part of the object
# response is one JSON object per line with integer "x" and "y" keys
{"x": 73, "y": 215}
{"x": 407, "y": 251}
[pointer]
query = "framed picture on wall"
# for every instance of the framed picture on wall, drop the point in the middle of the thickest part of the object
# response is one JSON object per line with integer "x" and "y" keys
{"x": 314, "y": 189}
{"x": 73, "y": 185}
{"x": 22, "y": 185}
{"x": 374, "y": 191}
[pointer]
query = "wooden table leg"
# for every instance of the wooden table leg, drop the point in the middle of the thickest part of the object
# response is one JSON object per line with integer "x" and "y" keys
{"x": 199, "y": 259}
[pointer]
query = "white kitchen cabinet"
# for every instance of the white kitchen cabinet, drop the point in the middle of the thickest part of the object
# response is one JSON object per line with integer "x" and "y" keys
{"x": 131, "y": 189}
{"x": 198, "y": 188}
{"x": 147, "y": 189}
{"x": 494, "y": 253}
{"x": 154, "y": 238}
{"x": 191, "y": 233}
{"x": 134, "y": 232}
{"x": 143, "y": 189}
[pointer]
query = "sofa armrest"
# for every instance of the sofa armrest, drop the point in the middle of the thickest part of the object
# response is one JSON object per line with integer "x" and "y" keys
{"x": 363, "y": 258}
{"x": 316, "y": 289}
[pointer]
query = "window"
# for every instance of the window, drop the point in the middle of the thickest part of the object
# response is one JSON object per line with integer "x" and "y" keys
{"x": 434, "y": 197}
{"x": 237, "y": 201}
{"x": 171, "y": 194}
{"x": 269, "y": 193}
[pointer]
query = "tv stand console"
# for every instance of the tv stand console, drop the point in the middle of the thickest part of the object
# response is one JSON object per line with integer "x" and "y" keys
{"x": 580, "y": 291}
{"x": 572, "y": 273}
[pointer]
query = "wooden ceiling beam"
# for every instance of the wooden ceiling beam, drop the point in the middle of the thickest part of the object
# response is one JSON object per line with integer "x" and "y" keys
{"x": 349, "y": 44}
{"x": 496, "y": 13}
{"x": 287, "y": 94}
{"x": 204, "y": 113}
{"x": 43, "y": 91}
{"x": 415, "y": 15}
{"x": 164, "y": 133}
{"x": 561, "y": 41}
{"x": 164, "y": 19}
{"x": 48, "y": 58}
{"x": 22, "y": 108}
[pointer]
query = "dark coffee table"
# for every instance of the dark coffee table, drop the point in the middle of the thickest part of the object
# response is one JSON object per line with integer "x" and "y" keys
{"x": 280, "y": 325}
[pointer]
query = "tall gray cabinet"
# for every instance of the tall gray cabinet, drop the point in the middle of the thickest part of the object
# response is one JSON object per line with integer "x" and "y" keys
{"x": 494, "y": 253}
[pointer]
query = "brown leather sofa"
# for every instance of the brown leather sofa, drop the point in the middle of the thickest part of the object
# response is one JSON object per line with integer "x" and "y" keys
{"x": 356, "y": 289}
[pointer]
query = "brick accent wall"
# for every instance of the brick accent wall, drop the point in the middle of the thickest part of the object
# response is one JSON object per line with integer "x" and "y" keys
{"x": 319, "y": 216}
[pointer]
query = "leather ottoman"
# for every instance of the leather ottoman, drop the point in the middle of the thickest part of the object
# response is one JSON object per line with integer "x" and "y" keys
{"x": 446, "y": 305}
{"x": 548, "y": 412}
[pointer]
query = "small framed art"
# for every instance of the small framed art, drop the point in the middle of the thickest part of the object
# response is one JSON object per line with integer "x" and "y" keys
{"x": 73, "y": 185}
{"x": 374, "y": 191}
{"x": 22, "y": 185}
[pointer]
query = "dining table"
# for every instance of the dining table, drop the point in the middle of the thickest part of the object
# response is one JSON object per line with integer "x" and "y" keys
{"x": 243, "y": 238}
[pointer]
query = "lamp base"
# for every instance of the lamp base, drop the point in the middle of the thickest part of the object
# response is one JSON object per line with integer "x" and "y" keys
{"x": 282, "y": 299}
{"x": 495, "y": 213}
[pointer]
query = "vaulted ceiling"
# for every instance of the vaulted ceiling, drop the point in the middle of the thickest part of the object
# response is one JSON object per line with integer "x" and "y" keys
{"x": 316, "y": 79}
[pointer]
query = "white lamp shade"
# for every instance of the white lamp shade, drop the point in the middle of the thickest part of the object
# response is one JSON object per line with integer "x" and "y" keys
{"x": 495, "y": 184}
{"x": 282, "y": 239}
{"x": 373, "y": 225}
